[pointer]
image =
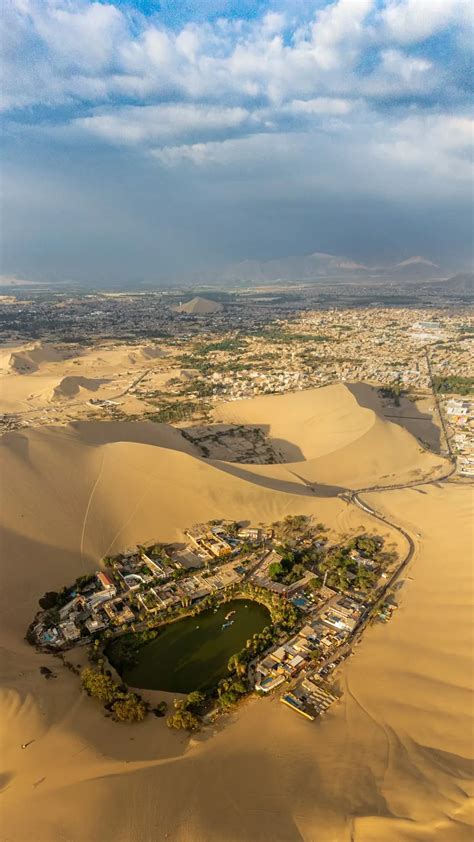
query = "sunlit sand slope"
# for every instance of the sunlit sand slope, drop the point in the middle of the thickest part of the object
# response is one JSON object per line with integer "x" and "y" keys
{"x": 33, "y": 376}
{"x": 306, "y": 424}
{"x": 328, "y": 438}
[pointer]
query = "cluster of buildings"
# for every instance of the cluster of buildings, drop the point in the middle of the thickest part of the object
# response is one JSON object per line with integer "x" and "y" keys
{"x": 261, "y": 575}
{"x": 248, "y": 382}
{"x": 283, "y": 345}
{"x": 459, "y": 414}
{"x": 378, "y": 345}
{"x": 307, "y": 658}
{"x": 142, "y": 584}
{"x": 91, "y": 605}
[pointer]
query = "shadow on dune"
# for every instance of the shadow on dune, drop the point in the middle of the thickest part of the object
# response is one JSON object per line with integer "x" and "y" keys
{"x": 254, "y": 792}
{"x": 289, "y": 451}
{"x": 302, "y": 488}
{"x": 236, "y": 799}
{"x": 97, "y": 433}
{"x": 407, "y": 415}
{"x": 226, "y": 434}
{"x": 5, "y": 778}
{"x": 293, "y": 453}
{"x": 29, "y": 568}
{"x": 454, "y": 765}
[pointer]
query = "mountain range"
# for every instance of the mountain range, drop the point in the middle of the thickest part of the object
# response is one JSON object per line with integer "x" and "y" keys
{"x": 320, "y": 266}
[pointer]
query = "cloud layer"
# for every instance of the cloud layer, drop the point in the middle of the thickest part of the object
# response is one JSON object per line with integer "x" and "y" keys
{"x": 361, "y": 98}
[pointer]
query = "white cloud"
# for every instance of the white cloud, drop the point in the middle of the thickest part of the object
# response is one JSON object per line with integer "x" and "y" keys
{"x": 400, "y": 66}
{"x": 200, "y": 93}
{"x": 427, "y": 144}
{"x": 196, "y": 153}
{"x": 320, "y": 105}
{"x": 144, "y": 124}
{"x": 338, "y": 32}
{"x": 84, "y": 37}
{"x": 61, "y": 51}
{"x": 409, "y": 21}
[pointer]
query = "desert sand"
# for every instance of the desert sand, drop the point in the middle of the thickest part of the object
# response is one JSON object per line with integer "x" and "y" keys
{"x": 336, "y": 438}
{"x": 41, "y": 378}
{"x": 391, "y": 761}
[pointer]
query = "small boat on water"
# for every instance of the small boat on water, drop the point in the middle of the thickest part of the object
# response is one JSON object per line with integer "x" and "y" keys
{"x": 197, "y": 627}
{"x": 229, "y": 615}
{"x": 226, "y": 625}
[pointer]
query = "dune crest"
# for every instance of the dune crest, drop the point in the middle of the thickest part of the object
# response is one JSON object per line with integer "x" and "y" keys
{"x": 316, "y": 421}
{"x": 72, "y": 386}
{"x": 29, "y": 359}
{"x": 327, "y": 437}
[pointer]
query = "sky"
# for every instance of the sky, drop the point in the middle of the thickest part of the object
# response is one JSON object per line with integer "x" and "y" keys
{"x": 149, "y": 141}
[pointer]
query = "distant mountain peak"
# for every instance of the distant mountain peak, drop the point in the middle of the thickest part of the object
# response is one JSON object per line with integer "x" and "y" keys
{"x": 417, "y": 260}
{"x": 320, "y": 266}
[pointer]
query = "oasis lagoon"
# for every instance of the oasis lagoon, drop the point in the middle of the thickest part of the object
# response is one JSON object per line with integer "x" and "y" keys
{"x": 193, "y": 653}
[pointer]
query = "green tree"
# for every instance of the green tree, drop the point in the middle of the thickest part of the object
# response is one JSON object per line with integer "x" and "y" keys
{"x": 276, "y": 571}
{"x": 183, "y": 719}
{"x": 49, "y": 600}
{"x": 99, "y": 684}
{"x": 130, "y": 708}
{"x": 194, "y": 701}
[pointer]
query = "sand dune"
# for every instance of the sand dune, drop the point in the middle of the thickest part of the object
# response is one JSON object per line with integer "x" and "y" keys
{"x": 306, "y": 425}
{"x": 200, "y": 307}
{"x": 35, "y": 376}
{"x": 327, "y": 437}
{"x": 28, "y": 360}
{"x": 390, "y": 762}
{"x": 72, "y": 386}
{"x": 149, "y": 352}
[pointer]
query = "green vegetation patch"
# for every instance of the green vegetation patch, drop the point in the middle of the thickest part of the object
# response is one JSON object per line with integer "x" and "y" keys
{"x": 177, "y": 411}
{"x": 453, "y": 384}
{"x": 124, "y": 705}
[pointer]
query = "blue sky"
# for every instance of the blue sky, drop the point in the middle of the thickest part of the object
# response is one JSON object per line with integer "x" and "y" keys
{"x": 154, "y": 140}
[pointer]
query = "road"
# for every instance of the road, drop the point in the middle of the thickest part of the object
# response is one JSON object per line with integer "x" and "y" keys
{"x": 371, "y": 611}
{"x": 438, "y": 407}
{"x": 133, "y": 384}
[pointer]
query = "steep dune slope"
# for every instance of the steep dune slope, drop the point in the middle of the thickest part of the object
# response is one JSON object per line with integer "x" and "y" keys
{"x": 329, "y": 439}
{"x": 72, "y": 386}
{"x": 30, "y": 358}
{"x": 315, "y": 421}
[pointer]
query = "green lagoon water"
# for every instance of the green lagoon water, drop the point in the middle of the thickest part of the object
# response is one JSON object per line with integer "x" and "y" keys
{"x": 192, "y": 654}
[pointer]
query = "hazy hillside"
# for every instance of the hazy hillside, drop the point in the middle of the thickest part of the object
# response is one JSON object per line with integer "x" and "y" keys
{"x": 322, "y": 266}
